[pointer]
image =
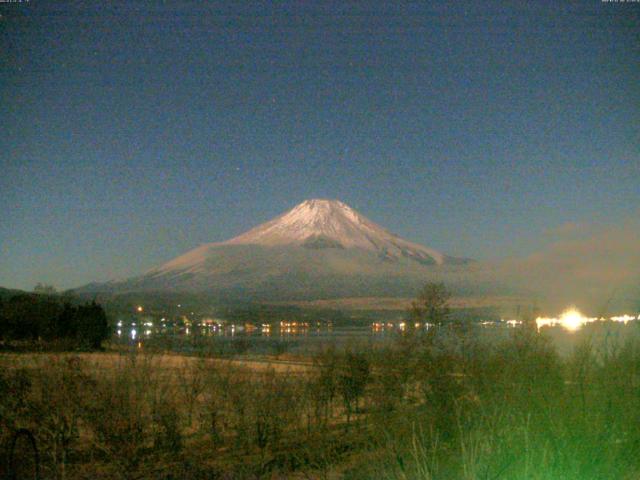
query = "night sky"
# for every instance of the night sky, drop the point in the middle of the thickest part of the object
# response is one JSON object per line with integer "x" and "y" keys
{"x": 134, "y": 132}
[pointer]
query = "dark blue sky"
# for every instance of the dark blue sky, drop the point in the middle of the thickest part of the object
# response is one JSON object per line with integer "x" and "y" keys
{"x": 134, "y": 132}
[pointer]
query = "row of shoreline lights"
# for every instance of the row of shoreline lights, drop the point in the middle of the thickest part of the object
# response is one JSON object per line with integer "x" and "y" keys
{"x": 572, "y": 319}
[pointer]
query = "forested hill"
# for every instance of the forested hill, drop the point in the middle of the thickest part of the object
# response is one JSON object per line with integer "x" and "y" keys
{"x": 30, "y": 318}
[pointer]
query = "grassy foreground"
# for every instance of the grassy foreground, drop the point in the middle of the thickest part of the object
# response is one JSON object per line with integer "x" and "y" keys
{"x": 436, "y": 406}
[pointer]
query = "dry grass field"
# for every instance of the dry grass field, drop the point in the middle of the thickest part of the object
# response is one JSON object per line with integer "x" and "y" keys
{"x": 167, "y": 362}
{"x": 436, "y": 406}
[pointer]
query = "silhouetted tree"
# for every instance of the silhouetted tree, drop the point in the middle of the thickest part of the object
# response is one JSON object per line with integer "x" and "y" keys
{"x": 431, "y": 305}
{"x": 3, "y": 320}
{"x": 92, "y": 325}
{"x": 352, "y": 380}
{"x": 29, "y": 317}
{"x": 45, "y": 289}
{"x": 323, "y": 385}
{"x": 66, "y": 323}
{"x": 33, "y": 317}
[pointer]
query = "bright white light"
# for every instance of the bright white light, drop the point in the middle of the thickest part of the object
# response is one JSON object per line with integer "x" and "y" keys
{"x": 623, "y": 318}
{"x": 572, "y": 319}
{"x": 133, "y": 334}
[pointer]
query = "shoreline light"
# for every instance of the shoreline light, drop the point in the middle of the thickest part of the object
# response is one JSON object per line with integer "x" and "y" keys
{"x": 572, "y": 319}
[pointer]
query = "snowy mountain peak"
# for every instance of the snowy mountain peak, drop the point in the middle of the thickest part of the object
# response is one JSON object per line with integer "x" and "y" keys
{"x": 330, "y": 218}
{"x": 317, "y": 224}
{"x": 319, "y": 247}
{"x": 318, "y": 207}
{"x": 320, "y": 223}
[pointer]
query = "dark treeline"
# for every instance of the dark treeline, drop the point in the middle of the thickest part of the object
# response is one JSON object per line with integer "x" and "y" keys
{"x": 50, "y": 319}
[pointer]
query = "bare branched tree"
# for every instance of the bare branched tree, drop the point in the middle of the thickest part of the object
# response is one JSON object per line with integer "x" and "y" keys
{"x": 431, "y": 305}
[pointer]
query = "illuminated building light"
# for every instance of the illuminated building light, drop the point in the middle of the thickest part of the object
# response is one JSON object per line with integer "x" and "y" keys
{"x": 623, "y": 318}
{"x": 571, "y": 319}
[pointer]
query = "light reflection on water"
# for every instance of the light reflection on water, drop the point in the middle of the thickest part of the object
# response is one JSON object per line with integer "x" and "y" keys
{"x": 305, "y": 337}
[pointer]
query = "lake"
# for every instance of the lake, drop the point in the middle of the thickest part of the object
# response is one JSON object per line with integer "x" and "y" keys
{"x": 304, "y": 338}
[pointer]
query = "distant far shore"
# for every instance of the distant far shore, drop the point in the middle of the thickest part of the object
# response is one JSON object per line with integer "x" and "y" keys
{"x": 403, "y": 303}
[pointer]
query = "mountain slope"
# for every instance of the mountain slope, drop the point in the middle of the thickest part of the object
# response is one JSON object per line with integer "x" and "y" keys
{"x": 319, "y": 224}
{"x": 318, "y": 248}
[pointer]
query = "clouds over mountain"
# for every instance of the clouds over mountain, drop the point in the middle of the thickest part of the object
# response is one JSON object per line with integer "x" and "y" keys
{"x": 594, "y": 266}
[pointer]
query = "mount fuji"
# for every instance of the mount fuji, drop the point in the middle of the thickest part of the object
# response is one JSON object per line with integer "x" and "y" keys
{"x": 318, "y": 249}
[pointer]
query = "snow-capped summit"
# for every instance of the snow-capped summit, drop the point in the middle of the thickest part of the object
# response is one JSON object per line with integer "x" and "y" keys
{"x": 331, "y": 223}
{"x": 318, "y": 224}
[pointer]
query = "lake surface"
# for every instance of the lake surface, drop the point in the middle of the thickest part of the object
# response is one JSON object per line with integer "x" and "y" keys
{"x": 307, "y": 338}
